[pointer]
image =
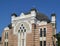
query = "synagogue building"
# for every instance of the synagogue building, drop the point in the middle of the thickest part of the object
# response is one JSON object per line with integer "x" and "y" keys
{"x": 30, "y": 29}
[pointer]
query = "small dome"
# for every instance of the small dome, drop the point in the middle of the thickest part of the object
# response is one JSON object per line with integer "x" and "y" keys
{"x": 53, "y": 14}
{"x": 33, "y": 9}
{"x": 6, "y": 28}
{"x": 14, "y": 14}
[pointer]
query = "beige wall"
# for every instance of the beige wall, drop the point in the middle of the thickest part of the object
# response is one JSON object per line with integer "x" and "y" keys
{"x": 0, "y": 44}
{"x": 33, "y": 38}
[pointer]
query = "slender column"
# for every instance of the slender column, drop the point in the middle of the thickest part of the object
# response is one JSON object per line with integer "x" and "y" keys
{"x": 24, "y": 38}
{"x": 19, "y": 39}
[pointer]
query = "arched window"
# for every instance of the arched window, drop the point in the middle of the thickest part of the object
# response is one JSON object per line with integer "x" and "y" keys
{"x": 41, "y": 32}
{"x": 21, "y": 35}
{"x": 44, "y": 43}
{"x": 18, "y": 31}
{"x": 40, "y": 43}
{"x": 5, "y": 43}
{"x": 6, "y": 35}
{"x": 22, "y": 28}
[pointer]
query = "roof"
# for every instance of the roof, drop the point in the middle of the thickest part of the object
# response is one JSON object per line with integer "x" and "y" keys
{"x": 53, "y": 14}
{"x": 14, "y": 14}
{"x": 39, "y": 16}
{"x": 33, "y": 9}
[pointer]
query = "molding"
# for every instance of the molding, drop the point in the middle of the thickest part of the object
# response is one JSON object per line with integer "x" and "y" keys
{"x": 22, "y": 16}
{"x": 41, "y": 22}
{"x": 6, "y": 40}
{"x": 29, "y": 18}
{"x": 19, "y": 42}
{"x": 18, "y": 24}
{"x": 42, "y": 38}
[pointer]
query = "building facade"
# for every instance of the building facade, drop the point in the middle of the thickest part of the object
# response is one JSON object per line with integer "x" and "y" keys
{"x": 0, "y": 42}
{"x": 30, "y": 29}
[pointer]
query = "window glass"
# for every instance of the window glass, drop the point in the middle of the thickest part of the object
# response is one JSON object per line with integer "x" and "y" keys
{"x": 44, "y": 32}
{"x": 6, "y": 35}
{"x": 21, "y": 24}
{"x": 41, "y": 32}
{"x": 7, "y": 43}
{"x": 4, "y": 43}
{"x": 18, "y": 31}
{"x": 40, "y": 43}
{"x": 44, "y": 43}
{"x": 22, "y": 28}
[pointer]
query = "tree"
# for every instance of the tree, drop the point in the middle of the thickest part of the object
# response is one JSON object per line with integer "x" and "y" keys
{"x": 58, "y": 38}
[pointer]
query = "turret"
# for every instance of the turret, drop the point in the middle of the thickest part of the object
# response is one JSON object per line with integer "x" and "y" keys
{"x": 33, "y": 11}
{"x": 13, "y": 15}
{"x": 6, "y": 28}
{"x": 53, "y": 20}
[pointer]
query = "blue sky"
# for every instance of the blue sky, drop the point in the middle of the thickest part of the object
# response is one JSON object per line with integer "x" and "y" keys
{"x": 7, "y": 7}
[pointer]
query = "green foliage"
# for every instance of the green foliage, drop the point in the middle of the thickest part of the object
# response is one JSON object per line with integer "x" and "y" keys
{"x": 58, "y": 38}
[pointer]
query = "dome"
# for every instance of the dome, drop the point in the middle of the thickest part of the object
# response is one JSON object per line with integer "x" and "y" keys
{"x": 39, "y": 16}
{"x": 42, "y": 17}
